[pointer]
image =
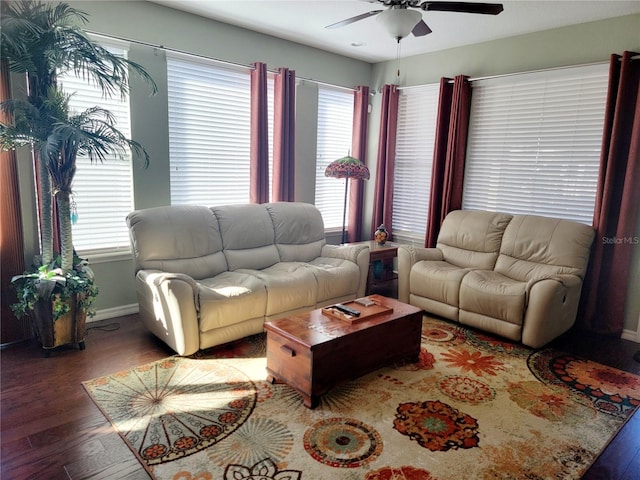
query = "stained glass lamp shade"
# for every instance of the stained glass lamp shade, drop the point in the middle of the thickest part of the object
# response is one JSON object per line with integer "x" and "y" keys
{"x": 347, "y": 167}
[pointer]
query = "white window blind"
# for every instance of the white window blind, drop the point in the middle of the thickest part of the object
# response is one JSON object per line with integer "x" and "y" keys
{"x": 534, "y": 143}
{"x": 335, "y": 125}
{"x": 209, "y": 132}
{"x": 415, "y": 136}
{"x": 102, "y": 192}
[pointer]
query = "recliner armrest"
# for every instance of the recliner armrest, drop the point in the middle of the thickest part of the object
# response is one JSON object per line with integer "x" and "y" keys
{"x": 408, "y": 256}
{"x": 156, "y": 277}
{"x": 566, "y": 281}
{"x": 344, "y": 252}
{"x": 358, "y": 254}
{"x": 169, "y": 308}
{"x": 552, "y": 305}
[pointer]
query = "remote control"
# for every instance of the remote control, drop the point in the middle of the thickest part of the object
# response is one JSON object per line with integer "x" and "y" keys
{"x": 347, "y": 310}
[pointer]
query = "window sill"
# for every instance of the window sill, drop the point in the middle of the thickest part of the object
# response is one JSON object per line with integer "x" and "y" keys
{"x": 105, "y": 256}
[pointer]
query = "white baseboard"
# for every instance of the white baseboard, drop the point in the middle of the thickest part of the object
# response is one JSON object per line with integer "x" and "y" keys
{"x": 630, "y": 335}
{"x": 107, "y": 313}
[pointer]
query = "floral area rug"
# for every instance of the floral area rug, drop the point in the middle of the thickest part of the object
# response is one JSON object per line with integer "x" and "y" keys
{"x": 473, "y": 407}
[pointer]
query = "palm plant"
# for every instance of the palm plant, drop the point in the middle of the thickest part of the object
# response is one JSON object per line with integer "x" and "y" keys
{"x": 44, "y": 40}
{"x": 92, "y": 133}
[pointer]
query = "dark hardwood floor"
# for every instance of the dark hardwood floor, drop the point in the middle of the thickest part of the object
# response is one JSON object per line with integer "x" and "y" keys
{"x": 50, "y": 428}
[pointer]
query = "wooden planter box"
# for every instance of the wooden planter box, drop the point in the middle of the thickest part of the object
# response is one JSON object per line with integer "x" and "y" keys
{"x": 68, "y": 328}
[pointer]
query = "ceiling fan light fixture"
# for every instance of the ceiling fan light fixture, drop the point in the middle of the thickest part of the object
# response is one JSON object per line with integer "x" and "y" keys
{"x": 399, "y": 21}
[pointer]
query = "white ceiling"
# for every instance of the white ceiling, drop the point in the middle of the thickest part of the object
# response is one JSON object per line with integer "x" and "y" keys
{"x": 303, "y": 21}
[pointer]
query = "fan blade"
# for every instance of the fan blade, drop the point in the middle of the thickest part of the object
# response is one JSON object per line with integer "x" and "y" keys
{"x": 353, "y": 19}
{"x": 465, "y": 7}
{"x": 421, "y": 29}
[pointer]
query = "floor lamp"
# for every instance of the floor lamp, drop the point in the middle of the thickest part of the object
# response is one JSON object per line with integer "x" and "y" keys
{"x": 346, "y": 167}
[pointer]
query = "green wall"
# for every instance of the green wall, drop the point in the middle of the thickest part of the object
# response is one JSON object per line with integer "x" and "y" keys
{"x": 161, "y": 26}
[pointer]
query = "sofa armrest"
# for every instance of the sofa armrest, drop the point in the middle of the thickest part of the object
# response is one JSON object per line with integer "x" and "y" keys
{"x": 408, "y": 256}
{"x": 552, "y": 306}
{"x": 358, "y": 254}
{"x": 169, "y": 308}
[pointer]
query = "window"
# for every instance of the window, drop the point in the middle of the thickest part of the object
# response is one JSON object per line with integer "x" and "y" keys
{"x": 415, "y": 137}
{"x": 209, "y": 132}
{"x": 534, "y": 143}
{"x": 102, "y": 192}
{"x": 335, "y": 125}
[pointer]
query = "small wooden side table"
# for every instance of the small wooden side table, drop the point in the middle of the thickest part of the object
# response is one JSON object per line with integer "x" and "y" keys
{"x": 381, "y": 257}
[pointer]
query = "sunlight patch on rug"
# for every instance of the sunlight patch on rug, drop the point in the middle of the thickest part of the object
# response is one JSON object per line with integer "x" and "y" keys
{"x": 473, "y": 406}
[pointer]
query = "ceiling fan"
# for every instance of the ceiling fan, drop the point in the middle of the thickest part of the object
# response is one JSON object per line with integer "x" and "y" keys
{"x": 400, "y": 21}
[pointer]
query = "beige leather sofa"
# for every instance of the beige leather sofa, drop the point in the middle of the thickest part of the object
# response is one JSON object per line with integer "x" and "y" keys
{"x": 207, "y": 276}
{"x": 517, "y": 276}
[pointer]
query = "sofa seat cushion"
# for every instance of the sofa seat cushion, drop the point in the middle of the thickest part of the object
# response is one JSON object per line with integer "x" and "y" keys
{"x": 492, "y": 294}
{"x": 335, "y": 277}
{"x": 289, "y": 286}
{"x": 230, "y": 296}
{"x": 437, "y": 280}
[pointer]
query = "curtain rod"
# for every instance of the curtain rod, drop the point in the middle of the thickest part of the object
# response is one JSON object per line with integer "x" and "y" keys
{"x": 490, "y": 77}
{"x": 540, "y": 70}
{"x": 206, "y": 57}
{"x": 513, "y": 74}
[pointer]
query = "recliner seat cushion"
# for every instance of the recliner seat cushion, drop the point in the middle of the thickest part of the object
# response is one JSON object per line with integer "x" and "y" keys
{"x": 335, "y": 277}
{"x": 225, "y": 298}
{"x": 289, "y": 286}
{"x": 492, "y": 294}
{"x": 442, "y": 281}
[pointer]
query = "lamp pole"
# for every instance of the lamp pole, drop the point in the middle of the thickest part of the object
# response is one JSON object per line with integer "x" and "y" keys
{"x": 344, "y": 209}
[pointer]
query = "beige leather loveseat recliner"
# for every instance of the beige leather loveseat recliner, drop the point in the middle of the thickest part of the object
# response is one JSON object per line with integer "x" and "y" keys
{"x": 207, "y": 276}
{"x": 517, "y": 276}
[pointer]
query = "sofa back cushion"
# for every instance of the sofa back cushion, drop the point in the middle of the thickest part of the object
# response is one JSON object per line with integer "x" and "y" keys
{"x": 536, "y": 247}
{"x": 471, "y": 239}
{"x": 248, "y": 240}
{"x": 299, "y": 230}
{"x": 177, "y": 239}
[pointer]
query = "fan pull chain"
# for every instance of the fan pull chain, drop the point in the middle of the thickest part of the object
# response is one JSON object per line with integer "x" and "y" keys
{"x": 398, "y": 49}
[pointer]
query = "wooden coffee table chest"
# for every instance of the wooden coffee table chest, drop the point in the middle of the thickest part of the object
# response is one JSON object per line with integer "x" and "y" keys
{"x": 314, "y": 351}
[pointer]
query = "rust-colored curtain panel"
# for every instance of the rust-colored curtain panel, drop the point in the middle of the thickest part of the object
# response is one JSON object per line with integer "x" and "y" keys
{"x": 383, "y": 195}
{"x": 359, "y": 151}
{"x": 284, "y": 136}
{"x": 447, "y": 174}
{"x": 11, "y": 239}
{"x": 259, "y": 167}
{"x": 605, "y": 289}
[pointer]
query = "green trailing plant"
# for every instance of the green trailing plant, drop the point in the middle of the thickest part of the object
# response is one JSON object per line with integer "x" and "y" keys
{"x": 49, "y": 282}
